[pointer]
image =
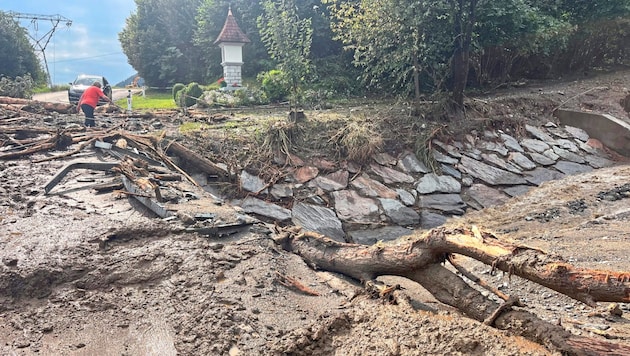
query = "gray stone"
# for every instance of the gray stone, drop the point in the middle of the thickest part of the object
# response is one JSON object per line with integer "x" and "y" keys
{"x": 410, "y": 163}
{"x": 467, "y": 181}
{"x": 490, "y": 134}
{"x": 551, "y": 155}
{"x": 567, "y": 155}
{"x": 450, "y": 150}
{"x": 350, "y": 206}
{"x": 406, "y": 197}
{"x": 260, "y": 207}
{"x": 517, "y": 190}
{"x": 432, "y": 183}
{"x": 567, "y": 145}
{"x": 522, "y": 161}
{"x": 280, "y": 191}
{"x": 541, "y": 175}
{"x": 370, "y": 188}
{"x": 448, "y": 203}
{"x": 331, "y": 182}
{"x": 252, "y": 183}
{"x": 390, "y": 175}
{"x": 318, "y": 219}
{"x": 558, "y": 132}
{"x": 489, "y": 174}
{"x": 473, "y": 153}
{"x": 494, "y": 147}
{"x": 451, "y": 171}
{"x": 539, "y": 133}
{"x": 398, "y": 213}
{"x": 541, "y": 159}
{"x": 572, "y": 167}
{"x": 500, "y": 162}
{"x": 534, "y": 145}
{"x": 486, "y": 196}
{"x": 430, "y": 220}
{"x": 384, "y": 159}
{"x": 578, "y": 133}
{"x": 511, "y": 143}
{"x": 598, "y": 162}
{"x": 372, "y": 236}
{"x": 442, "y": 158}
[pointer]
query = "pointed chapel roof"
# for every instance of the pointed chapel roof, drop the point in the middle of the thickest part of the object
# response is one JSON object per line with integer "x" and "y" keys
{"x": 231, "y": 32}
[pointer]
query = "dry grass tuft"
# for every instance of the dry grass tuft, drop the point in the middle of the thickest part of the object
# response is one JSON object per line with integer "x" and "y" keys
{"x": 358, "y": 141}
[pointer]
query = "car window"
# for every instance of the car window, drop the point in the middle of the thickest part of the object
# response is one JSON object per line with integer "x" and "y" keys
{"x": 86, "y": 81}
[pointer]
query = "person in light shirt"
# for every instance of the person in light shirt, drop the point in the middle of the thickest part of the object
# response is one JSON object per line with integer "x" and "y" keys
{"x": 89, "y": 101}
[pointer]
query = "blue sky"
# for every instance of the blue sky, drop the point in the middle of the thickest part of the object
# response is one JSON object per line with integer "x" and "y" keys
{"x": 89, "y": 45}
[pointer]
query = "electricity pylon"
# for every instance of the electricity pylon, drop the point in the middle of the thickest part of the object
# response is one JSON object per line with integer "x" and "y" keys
{"x": 40, "y": 42}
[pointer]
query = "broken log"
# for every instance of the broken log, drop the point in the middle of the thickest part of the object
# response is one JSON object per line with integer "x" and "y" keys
{"x": 38, "y": 106}
{"x": 196, "y": 160}
{"x": 418, "y": 257}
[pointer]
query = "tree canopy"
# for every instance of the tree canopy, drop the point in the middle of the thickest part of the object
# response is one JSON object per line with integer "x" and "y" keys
{"x": 17, "y": 56}
{"x": 401, "y": 47}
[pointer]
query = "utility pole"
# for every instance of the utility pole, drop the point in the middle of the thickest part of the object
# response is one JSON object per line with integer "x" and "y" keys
{"x": 40, "y": 42}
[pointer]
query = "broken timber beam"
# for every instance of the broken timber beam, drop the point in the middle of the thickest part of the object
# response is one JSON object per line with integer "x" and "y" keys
{"x": 196, "y": 160}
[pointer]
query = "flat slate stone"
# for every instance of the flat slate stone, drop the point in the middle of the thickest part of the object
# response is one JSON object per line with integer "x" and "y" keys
{"x": 568, "y": 155}
{"x": 304, "y": 174}
{"x": 494, "y": 147}
{"x": 511, "y": 143}
{"x": 372, "y": 236}
{"x": 489, "y": 174}
{"x": 541, "y": 175}
{"x": 432, "y": 183}
{"x": 263, "y": 208}
{"x": 390, "y": 175}
{"x": 451, "y": 171}
{"x": 500, "y": 162}
{"x": 598, "y": 162}
{"x": 252, "y": 183}
{"x": 522, "y": 161}
{"x": 411, "y": 164}
{"x": 567, "y": 145}
{"x": 448, "y": 203}
{"x": 534, "y": 145}
{"x": 280, "y": 191}
{"x": 517, "y": 190}
{"x": 551, "y": 155}
{"x": 538, "y": 133}
{"x": 430, "y": 220}
{"x": 442, "y": 158}
{"x": 541, "y": 159}
{"x": 318, "y": 219}
{"x": 486, "y": 196}
{"x": 350, "y": 206}
{"x": 384, "y": 159}
{"x": 405, "y": 197}
{"x": 569, "y": 168}
{"x": 578, "y": 133}
{"x": 331, "y": 182}
{"x": 371, "y": 188}
{"x": 398, "y": 213}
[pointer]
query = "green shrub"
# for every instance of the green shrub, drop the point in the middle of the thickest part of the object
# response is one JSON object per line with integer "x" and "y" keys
{"x": 274, "y": 84}
{"x": 176, "y": 89}
{"x": 192, "y": 92}
{"x": 20, "y": 87}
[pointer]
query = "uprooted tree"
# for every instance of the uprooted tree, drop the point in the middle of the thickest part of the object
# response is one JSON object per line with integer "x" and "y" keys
{"x": 419, "y": 257}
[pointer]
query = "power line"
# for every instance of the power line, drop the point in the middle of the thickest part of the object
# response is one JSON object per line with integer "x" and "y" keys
{"x": 85, "y": 58}
{"x": 42, "y": 42}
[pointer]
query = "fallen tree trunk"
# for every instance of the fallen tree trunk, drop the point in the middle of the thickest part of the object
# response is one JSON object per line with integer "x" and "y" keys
{"x": 418, "y": 257}
{"x": 37, "y": 106}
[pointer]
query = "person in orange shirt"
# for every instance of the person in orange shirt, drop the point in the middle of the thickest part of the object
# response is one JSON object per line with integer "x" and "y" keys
{"x": 89, "y": 100}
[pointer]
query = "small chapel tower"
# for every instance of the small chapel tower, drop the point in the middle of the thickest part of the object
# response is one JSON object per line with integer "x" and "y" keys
{"x": 231, "y": 40}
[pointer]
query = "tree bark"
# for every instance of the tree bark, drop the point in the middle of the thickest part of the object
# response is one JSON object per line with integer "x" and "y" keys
{"x": 418, "y": 257}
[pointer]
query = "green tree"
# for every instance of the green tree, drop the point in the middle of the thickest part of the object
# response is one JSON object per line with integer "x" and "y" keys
{"x": 158, "y": 41}
{"x": 288, "y": 40}
{"x": 17, "y": 56}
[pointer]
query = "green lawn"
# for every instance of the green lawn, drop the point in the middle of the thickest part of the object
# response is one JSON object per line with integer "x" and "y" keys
{"x": 151, "y": 100}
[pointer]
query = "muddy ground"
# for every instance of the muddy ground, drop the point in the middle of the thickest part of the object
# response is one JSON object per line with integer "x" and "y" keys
{"x": 95, "y": 274}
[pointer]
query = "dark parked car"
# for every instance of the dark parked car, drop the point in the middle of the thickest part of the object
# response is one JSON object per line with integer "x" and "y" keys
{"x": 82, "y": 82}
